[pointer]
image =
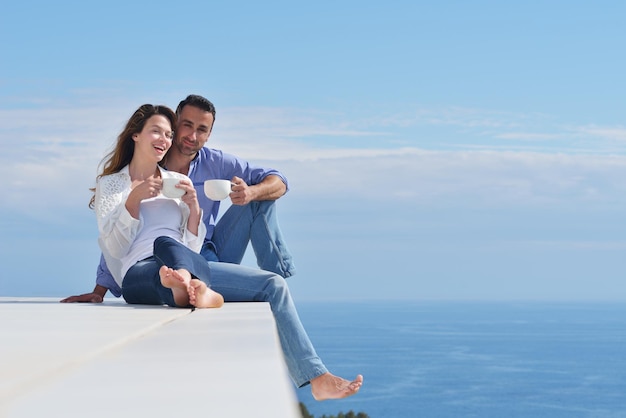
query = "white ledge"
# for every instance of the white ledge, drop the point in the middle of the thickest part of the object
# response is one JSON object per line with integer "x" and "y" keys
{"x": 114, "y": 359}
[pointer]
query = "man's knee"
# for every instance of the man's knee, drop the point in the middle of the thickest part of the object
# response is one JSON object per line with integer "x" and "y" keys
{"x": 262, "y": 206}
{"x": 276, "y": 285}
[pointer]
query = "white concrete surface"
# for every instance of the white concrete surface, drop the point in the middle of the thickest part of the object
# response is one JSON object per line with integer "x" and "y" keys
{"x": 118, "y": 360}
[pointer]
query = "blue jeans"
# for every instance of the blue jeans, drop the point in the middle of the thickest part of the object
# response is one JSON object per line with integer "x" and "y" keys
{"x": 257, "y": 223}
{"x": 254, "y": 223}
{"x": 142, "y": 283}
{"x": 245, "y": 284}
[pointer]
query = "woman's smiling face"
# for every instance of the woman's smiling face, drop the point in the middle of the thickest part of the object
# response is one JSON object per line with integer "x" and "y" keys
{"x": 155, "y": 138}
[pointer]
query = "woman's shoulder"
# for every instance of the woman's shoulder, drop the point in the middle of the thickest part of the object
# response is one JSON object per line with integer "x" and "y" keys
{"x": 115, "y": 182}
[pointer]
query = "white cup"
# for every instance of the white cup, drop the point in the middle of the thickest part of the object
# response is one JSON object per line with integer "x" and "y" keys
{"x": 217, "y": 189}
{"x": 169, "y": 188}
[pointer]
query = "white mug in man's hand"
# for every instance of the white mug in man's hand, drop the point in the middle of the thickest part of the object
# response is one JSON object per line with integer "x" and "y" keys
{"x": 217, "y": 189}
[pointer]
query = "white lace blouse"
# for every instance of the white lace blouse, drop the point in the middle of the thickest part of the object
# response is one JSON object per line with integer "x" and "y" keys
{"x": 118, "y": 230}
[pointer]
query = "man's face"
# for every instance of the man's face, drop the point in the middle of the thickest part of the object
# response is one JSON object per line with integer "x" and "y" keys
{"x": 193, "y": 130}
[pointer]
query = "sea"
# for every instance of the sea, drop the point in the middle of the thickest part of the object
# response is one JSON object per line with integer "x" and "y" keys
{"x": 472, "y": 359}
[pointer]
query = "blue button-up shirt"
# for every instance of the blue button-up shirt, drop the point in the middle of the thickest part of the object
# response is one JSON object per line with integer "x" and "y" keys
{"x": 208, "y": 164}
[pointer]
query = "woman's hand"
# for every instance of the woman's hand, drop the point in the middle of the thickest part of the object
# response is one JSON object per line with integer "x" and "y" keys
{"x": 142, "y": 190}
{"x": 191, "y": 199}
{"x": 147, "y": 188}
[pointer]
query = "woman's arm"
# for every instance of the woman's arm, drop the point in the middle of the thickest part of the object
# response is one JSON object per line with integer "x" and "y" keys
{"x": 194, "y": 230}
{"x": 116, "y": 225}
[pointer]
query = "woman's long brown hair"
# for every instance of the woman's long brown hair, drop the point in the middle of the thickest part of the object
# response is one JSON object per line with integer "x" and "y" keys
{"x": 124, "y": 149}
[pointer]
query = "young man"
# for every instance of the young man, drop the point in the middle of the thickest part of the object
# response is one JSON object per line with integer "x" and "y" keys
{"x": 251, "y": 218}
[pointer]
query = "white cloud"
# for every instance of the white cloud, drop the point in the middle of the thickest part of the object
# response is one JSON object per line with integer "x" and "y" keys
{"x": 466, "y": 177}
{"x": 52, "y": 155}
{"x": 611, "y": 133}
{"x": 529, "y": 136}
{"x": 471, "y": 118}
{"x": 267, "y": 123}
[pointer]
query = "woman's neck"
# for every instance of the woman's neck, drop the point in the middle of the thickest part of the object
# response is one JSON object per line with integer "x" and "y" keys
{"x": 142, "y": 171}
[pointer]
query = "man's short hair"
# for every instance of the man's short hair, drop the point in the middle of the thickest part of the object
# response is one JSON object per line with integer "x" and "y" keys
{"x": 196, "y": 101}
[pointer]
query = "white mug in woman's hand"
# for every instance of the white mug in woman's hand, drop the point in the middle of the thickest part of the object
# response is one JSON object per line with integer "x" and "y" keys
{"x": 169, "y": 188}
{"x": 217, "y": 189}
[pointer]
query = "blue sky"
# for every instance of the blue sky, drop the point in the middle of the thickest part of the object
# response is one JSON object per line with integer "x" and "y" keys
{"x": 435, "y": 150}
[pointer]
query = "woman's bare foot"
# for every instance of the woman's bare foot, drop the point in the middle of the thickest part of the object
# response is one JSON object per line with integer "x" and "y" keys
{"x": 201, "y": 296}
{"x": 178, "y": 282}
{"x": 328, "y": 386}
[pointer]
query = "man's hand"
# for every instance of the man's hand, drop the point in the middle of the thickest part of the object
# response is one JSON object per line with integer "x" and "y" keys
{"x": 271, "y": 188}
{"x": 94, "y": 297}
{"x": 241, "y": 193}
{"x": 85, "y": 298}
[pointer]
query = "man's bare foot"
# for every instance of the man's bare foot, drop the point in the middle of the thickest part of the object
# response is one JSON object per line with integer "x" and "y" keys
{"x": 178, "y": 282}
{"x": 328, "y": 386}
{"x": 201, "y": 296}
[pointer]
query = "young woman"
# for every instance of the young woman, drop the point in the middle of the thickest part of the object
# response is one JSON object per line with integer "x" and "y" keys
{"x": 151, "y": 242}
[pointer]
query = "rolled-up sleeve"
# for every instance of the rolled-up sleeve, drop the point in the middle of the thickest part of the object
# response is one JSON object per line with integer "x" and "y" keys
{"x": 104, "y": 278}
{"x": 251, "y": 174}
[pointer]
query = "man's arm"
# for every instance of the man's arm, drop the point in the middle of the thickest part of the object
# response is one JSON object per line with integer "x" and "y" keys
{"x": 270, "y": 188}
{"x": 104, "y": 283}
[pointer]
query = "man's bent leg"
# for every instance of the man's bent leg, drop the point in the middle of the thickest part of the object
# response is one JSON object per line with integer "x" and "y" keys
{"x": 257, "y": 223}
{"x": 244, "y": 284}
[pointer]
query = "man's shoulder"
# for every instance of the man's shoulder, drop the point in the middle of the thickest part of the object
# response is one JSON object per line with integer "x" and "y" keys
{"x": 213, "y": 163}
{"x": 206, "y": 152}
{"x": 213, "y": 155}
